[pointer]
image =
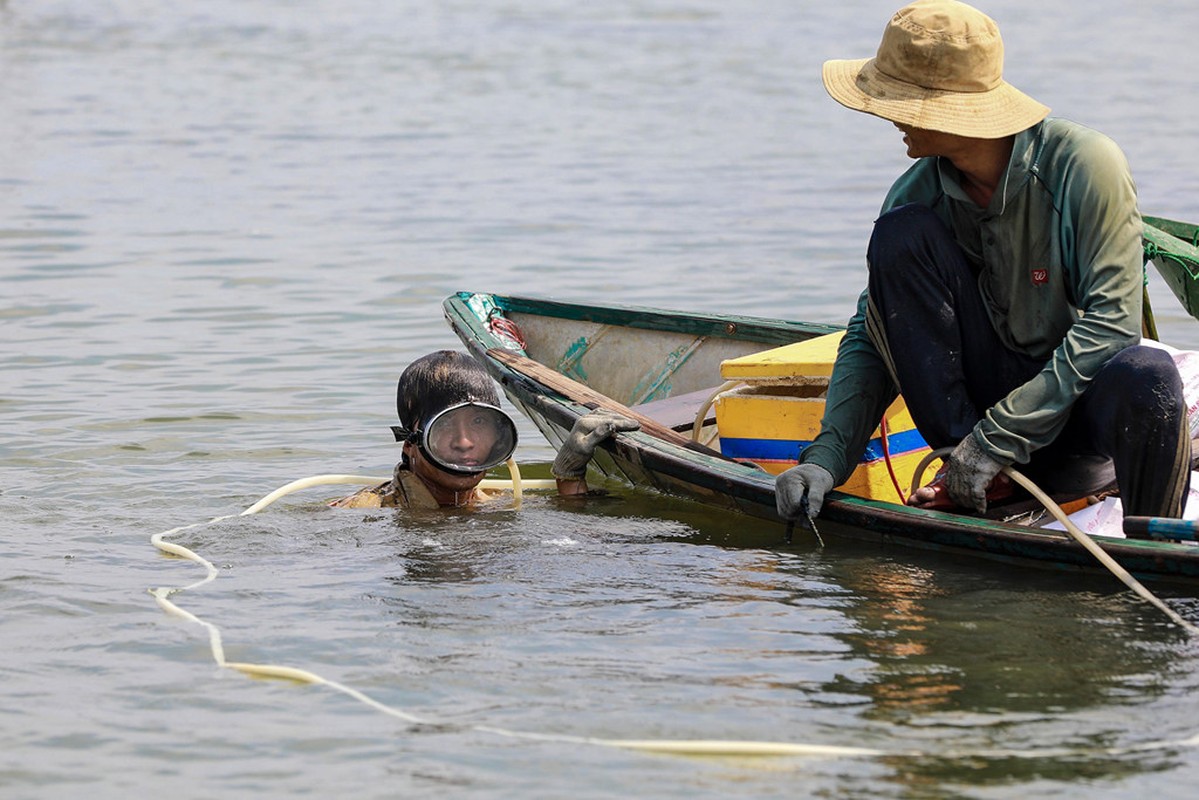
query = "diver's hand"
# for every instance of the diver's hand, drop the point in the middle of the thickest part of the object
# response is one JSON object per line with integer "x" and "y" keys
{"x": 811, "y": 480}
{"x": 588, "y": 431}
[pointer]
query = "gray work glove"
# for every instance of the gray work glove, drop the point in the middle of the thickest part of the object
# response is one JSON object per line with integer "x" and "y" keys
{"x": 811, "y": 480}
{"x": 969, "y": 474}
{"x": 588, "y": 431}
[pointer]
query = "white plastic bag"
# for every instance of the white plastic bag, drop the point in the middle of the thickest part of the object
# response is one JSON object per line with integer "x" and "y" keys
{"x": 1187, "y": 362}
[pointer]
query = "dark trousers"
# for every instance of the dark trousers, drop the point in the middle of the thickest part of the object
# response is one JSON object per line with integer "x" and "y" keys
{"x": 951, "y": 367}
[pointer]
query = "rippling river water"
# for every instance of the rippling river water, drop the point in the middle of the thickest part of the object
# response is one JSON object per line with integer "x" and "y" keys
{"x": 224, "y": 229}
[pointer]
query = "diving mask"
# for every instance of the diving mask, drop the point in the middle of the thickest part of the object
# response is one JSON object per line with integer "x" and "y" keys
{"x": 464, "y": 438}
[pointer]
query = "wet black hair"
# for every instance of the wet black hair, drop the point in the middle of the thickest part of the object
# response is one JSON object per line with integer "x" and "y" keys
{"x": 437, "y": 381}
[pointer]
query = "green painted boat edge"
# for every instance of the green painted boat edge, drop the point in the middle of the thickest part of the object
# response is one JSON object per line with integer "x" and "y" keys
{"x": 758, "y": 329}
{"x": 728, "y": 484}
{"x": 1172, "y": 247}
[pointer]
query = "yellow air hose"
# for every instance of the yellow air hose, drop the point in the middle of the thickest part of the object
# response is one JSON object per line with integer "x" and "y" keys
{"x": 680, "y": 747}
{"x": 698, "y": 747}
{"x": 1077, "y": 533}
{"x": 517, "y": 484}
{"x": 702, "y": 413}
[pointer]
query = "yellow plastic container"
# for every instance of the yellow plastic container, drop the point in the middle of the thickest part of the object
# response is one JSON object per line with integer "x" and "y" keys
{"x": 776, "y": 414}
{"x": 806, "y": 362}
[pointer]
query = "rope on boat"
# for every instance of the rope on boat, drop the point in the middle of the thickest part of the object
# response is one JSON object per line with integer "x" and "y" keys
{"x": 1079, "y": 536}
{"x": 1155, "y": 253}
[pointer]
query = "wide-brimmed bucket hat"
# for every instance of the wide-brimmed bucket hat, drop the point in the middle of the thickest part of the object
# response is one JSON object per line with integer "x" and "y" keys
{"x": 939, "y": 67}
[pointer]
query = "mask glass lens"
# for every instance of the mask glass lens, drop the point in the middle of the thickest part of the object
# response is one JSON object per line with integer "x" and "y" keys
{"x": 471, "y": 437}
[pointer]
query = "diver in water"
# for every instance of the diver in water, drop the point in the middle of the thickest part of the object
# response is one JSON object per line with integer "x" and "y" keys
{"x": 453, "y": 431}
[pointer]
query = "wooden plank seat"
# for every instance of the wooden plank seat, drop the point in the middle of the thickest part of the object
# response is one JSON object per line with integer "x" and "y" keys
{"x": 678, "y": 411}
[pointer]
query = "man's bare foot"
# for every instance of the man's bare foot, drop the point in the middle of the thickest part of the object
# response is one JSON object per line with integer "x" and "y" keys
{"x": 934, "y": 495}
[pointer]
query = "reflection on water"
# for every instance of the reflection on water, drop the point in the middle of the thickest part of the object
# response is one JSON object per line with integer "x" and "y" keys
{"x": 943, "y": 666}
{"x": 967, "y": 659}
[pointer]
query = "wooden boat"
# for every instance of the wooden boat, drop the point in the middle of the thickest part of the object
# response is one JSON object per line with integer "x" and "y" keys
{"x": 558, "y": 360}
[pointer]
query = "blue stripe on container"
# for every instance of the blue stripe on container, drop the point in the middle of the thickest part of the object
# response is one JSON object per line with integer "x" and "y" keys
{"x": 789, "y": 449}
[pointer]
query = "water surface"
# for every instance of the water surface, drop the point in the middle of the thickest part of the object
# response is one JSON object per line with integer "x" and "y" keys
{"x": 227, "y": 226}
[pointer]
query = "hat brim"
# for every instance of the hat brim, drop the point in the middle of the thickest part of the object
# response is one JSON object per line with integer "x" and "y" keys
{"x": 999, "y": 112}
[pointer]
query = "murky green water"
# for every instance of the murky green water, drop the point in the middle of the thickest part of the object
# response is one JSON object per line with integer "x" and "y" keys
{"x": 225, "y": 228}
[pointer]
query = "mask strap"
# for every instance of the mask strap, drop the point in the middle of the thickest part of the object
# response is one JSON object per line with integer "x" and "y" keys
{"x": 402, "y": 434}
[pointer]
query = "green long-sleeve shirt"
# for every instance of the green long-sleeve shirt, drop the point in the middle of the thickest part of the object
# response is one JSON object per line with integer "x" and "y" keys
{"x": 1060, "y": 271}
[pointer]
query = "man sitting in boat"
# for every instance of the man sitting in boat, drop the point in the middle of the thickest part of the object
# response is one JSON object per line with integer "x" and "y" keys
{"x": 1005, "y": 287}
{"x": 453, "y": 431}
